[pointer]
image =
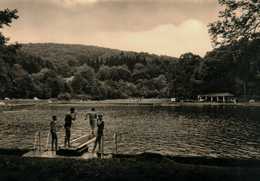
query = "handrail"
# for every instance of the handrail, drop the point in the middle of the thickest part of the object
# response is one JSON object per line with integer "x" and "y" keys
{"x": 117, "y": 137}
{"x": 47, "y": 142}
{"x": 37, "y": 141}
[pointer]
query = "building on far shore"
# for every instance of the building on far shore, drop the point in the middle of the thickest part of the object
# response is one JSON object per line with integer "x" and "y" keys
{"x": 217, "y": 97}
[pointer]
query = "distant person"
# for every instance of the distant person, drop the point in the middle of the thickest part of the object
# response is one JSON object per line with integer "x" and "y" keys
{"x": 100, "y": 129}
{"x": 53, "y": 130}
{"x": 92, "y": 116}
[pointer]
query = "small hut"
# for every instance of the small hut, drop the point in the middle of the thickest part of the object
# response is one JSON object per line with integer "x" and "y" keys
{"x": 216, "y": 97}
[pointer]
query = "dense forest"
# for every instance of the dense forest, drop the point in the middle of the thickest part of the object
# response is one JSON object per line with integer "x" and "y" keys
{"x": 58, "y": 70}
{"x": 63, "y": 71}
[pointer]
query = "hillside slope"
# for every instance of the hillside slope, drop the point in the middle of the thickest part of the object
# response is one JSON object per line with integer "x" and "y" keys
{"x": 66, "y": 52}
{"x": 76, "y": 52}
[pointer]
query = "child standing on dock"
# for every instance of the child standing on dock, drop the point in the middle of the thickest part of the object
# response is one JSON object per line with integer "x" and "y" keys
{"x": 73, "y": 114}
{"x": 100, "y": 129}
{"x": 53, "y": 130}
{"x": 67, "y": 126}
{"x": 68, "y": 122}
{"x": 92, "y": 116}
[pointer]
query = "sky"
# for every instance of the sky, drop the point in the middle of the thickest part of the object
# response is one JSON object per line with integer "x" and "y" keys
{"x": 164, "y": 27}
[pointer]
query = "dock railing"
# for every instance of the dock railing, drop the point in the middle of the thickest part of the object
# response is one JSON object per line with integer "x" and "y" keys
{"x": 38, "y": 143}
{"x": 118, "y": 136}
{"x": 47, "y": 142}
{"x": 115, "y": 142}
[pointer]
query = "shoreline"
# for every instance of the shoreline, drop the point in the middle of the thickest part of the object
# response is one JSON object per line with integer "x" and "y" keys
{"x": 193, "y": 160}
{"x": 146, "y": 166}
{"x": 25, "y": 103}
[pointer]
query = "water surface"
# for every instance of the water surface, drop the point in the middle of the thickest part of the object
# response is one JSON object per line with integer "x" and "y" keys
{"x": 200, "y": 131}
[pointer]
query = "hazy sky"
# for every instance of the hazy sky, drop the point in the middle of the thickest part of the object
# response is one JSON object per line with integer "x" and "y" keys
{"x": 169, "y": 27}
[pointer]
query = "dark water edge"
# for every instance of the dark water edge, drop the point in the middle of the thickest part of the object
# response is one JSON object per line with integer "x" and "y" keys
{"x": 196, "y": 160}
{"x": 192, "y": 160}
{"x": 145, "y": 166}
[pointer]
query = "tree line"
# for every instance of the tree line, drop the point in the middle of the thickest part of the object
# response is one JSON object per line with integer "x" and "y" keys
{"x": 127, "y": 74}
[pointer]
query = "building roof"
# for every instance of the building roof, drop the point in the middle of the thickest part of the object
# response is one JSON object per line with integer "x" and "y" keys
{"x": 224, "y": 94}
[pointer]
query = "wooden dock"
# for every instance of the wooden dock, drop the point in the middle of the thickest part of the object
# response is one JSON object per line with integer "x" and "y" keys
{"x": 52, "y": 154}
{"x": 78, "y": 146}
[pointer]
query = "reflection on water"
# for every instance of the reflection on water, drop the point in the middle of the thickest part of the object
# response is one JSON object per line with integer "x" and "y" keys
{"x": 203, "y": 131}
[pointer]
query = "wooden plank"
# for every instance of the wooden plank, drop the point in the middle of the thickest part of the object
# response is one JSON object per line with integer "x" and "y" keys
{"x": 82, "y": 141}
{"x": 79, "y": 146}
{"x": 78, "y": 141}
{"x": 88, "y": 142}
{"x": 78, "y": 138}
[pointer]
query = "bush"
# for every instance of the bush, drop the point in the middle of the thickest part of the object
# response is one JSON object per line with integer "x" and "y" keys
{"x": 64, "y": 96}
{"x": 83, "y": 97}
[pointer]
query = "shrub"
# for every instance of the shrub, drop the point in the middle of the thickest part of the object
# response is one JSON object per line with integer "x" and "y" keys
{"x": 64, "y": 96}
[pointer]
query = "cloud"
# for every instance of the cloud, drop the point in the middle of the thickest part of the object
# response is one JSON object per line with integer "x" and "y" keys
{"x": 76, "y": 3}
{"x": 112, "y": 15}
{"x": 160, "y": 26}
{"x": 147, "y": 1}
{"x": 72, "y": 3}
{"x": 168, "y": 39}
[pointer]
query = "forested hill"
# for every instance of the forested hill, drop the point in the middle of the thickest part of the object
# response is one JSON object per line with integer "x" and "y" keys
{"x": 60, "y": 70}
{"x": 76, "y": 52}
{"x": 65, "y": 71}
{"x": 65, "y": 56}
{"x": 67, "y": 52}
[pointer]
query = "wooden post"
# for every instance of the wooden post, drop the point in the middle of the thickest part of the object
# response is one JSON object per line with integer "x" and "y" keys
{"x": 39, "y": 141}
{"x": 115, "y": 140}
{"x": 47, "y": 142}
{"x": 99, "y": 146}
{"x": 102, "y": 146}
{"x": 35, "y": 142}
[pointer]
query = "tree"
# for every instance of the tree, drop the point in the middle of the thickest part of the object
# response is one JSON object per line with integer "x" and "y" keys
{"x": 239, "y": 20}
{"x": 49, "y": 82}
{"x": 238, "y": 25}
{"x": 84, "y": 80}
{"x": 120, "y": 73}
{"x": 6, "y": 18}
{"x": 104, "y": 73}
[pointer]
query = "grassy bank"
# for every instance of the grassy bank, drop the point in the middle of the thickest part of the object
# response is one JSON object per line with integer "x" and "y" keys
{"x": 13, "y": 151}
{"x": 142, "y": 167}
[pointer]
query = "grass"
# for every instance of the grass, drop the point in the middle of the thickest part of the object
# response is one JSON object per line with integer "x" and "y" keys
{"x": 15, "y": 152}
{"x": 142, "y": 167}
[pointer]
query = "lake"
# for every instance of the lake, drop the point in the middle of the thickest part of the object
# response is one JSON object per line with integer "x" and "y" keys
{"x": 187, "y": 131}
